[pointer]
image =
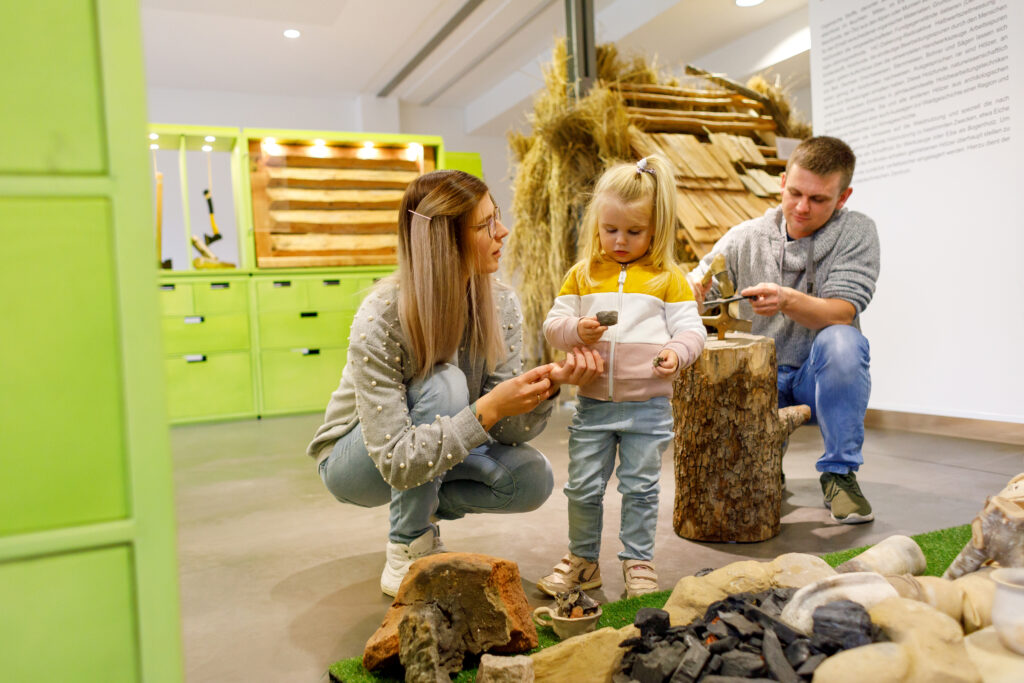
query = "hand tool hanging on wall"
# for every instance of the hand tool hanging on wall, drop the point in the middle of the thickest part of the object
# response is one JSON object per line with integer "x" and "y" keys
{"x": 161, "y": 262}
{"x": 208, "y": 196}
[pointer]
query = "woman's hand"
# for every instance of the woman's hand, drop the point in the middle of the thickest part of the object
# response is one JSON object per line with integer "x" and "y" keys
{"x": 666, "y": 363}
{"x": 515, "y": 396}
{"x": 580, "y": 367}
{"x": 590, "y": 330}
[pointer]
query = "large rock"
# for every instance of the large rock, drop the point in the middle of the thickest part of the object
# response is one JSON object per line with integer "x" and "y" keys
{"x": 481, "y": 596}
{"x": 692, "y": 594}
{"x": 932, "y": 642}
{"x": 593, "y": 657}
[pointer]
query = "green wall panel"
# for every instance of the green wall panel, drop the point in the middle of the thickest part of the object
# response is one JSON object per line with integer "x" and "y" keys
{"x": 82, "y": 604}
{"x": 61, "y": 370}
{"x": 470, "y": 162}
{"x": 52, "y": 107}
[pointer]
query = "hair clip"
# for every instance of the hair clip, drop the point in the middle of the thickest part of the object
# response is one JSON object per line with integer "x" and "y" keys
{"x": 642, "y": 167}
{"x": 426, "y": 218}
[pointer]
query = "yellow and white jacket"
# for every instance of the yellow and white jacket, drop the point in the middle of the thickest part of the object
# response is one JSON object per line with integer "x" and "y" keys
{"x": 651, "y": 318}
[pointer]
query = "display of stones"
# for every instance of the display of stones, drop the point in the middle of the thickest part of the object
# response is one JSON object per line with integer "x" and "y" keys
{"x": 741, "y": 637}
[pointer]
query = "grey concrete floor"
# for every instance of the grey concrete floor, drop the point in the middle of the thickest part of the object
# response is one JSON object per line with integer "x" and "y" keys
{"x": 278, "y": 580}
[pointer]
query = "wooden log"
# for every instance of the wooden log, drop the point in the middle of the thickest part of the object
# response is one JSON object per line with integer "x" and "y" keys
{"x": 306, "y": 161}
{"x": 338, "y": 178}
{"x": 683, "y": 124}
{"x": 769, "y": 105}
{"x": 715, "y": 116}
{"x": 737, "y": 99}
{"x": 329, "y": 242}
{"x": 341, "y": 217}
{"x": 320, "y": 261}
{"x": 728, "y": 443}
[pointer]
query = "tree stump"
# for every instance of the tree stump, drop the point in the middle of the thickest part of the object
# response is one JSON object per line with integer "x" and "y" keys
{"x": 729, "y": 435}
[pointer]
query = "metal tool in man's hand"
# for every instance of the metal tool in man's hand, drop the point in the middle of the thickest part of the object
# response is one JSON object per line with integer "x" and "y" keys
{"x": 721, "y": 302}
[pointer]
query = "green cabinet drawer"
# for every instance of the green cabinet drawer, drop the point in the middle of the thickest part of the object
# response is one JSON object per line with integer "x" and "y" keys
{"x": 337, "y": 293}
{"x": 282, "y": 294}
{"x": 208, "y": 385}
{"x": 287, "y": 329}
{"x": 298, "y": 380}
{"x": 176, "y": 298}
{"x": 221, "y": 296}
{"x": 203, "y": 333}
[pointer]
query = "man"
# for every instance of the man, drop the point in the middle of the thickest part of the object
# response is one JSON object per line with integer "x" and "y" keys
{"x": 809, "y": 267}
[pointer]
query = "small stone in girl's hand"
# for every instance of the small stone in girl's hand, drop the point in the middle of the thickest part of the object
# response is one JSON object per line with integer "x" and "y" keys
{"x": 658, "y": 360}
{"x": 608, "y": 317}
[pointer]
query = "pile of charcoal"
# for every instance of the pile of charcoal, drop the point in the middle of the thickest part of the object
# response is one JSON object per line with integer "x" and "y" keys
{"x": 741, "y": 638}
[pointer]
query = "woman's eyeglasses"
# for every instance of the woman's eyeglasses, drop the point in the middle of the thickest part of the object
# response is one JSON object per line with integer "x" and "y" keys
{"x": 492, "y": 223}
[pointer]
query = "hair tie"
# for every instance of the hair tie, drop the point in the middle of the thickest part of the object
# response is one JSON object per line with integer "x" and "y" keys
{"x": 642, "y": 167}
{"x": 426, "y": 218}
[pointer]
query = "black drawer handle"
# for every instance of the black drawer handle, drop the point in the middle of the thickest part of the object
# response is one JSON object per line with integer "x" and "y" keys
{"x": 220, "y": 285}
{"x": 332, "y": 283}
{"x": 166, "y": 288}
{"x": 308, "y": 314}
{"x": 310, "y": 352}
{"x": 194, "y": 319}
{"x": 195, "y": 358}
{"x": 282, "y": 283}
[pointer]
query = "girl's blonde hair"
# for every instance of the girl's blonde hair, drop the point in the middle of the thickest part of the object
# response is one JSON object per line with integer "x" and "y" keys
{"x": 435, "y": 305}
{"x": 650, "y": 180}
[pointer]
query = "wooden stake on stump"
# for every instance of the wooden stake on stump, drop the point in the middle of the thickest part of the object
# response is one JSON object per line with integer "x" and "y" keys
{"x": 728, "y": 443}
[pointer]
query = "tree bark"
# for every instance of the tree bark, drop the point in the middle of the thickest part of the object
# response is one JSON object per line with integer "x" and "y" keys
{"x": 729, "y": 442}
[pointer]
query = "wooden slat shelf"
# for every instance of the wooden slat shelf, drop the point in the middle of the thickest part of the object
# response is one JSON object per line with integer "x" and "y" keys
{"x": 336, "y": 204}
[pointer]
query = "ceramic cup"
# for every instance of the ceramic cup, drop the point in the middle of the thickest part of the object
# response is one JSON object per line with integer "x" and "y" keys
{"x": 565, "y": 627}
{"x": 1008, "y": 607}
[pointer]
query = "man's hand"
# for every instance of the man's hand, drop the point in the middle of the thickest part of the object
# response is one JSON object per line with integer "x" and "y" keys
{"x": 770, "y": 298}
{"x": 666, "y": 363}
{"x": 810, "y": 311}
{"x": 700, "y": 292}
{"x": 590, "y": 330}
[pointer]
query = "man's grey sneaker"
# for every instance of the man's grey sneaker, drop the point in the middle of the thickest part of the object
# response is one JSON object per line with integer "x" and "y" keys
{"x": 844, "y": 499}
{"x": 400, "y": 555}
{"x": 572, "y": 571}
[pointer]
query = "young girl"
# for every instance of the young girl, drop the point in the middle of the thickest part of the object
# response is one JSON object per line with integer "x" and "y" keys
{"x": 627, "y": 267}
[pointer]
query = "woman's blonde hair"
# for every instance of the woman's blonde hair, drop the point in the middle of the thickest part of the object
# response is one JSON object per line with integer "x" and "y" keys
{"x": 435, "y": 305}
{"x": 649, "y": 180}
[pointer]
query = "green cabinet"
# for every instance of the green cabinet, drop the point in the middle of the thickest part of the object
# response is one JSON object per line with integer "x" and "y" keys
{"x": 303, "y": 324}
{"x": 207, "y": 346}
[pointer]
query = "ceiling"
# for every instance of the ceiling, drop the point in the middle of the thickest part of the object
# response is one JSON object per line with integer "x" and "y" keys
{"x": 352, "y": 47}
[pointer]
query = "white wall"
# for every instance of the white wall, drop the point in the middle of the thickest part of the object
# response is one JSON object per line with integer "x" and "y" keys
{"x": 929, "y": 95}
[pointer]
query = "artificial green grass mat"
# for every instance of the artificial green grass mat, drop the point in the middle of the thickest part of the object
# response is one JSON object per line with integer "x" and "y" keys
{"x": 940, "y": 549}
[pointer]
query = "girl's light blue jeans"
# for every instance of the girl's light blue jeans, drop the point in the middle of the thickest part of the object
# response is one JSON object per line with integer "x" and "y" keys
{"x": 639, "y": 431}
{"x": 494, "y": 477}
{"x": 835, "y": 381}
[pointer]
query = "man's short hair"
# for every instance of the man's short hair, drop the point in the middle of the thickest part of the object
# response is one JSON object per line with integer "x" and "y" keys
{"x": 824, "y": 156}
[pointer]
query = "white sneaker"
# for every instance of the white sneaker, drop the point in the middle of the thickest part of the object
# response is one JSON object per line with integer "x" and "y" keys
{"x": 400, "y": 556}
{"x": 640, "y": 577}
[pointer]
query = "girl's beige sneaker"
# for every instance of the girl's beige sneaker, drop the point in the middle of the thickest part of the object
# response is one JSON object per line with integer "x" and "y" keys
{"x": 570, "y": 572}
{"x": 640, "y": 577}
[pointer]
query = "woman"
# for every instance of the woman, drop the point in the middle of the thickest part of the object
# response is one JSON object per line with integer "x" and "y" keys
{"x": 433, "y": 410}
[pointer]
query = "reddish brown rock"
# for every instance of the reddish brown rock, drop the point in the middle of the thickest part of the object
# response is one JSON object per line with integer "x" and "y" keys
{"x": 481, "y": 595}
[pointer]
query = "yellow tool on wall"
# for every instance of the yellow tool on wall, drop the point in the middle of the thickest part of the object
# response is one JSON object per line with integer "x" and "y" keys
{"x": 208, "y": 196}
{"x": 207, "y": 259}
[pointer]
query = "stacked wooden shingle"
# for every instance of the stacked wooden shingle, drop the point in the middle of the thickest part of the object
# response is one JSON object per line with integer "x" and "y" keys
{"x": 329, "y": 205}
{"x": 715, "y": 139}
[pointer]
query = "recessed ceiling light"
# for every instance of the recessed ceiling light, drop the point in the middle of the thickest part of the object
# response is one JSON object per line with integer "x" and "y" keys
{"x": 209, "y": 138}
{"x": 153, "y": 136}
{"x": 291, "y": 33}
{"x": 748, "y": 3}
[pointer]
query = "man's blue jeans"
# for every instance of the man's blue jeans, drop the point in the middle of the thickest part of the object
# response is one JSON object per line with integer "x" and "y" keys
{"x": 835, "y": 381}
{"x": 494, "y": 477}
{"x": 640, "y": 431}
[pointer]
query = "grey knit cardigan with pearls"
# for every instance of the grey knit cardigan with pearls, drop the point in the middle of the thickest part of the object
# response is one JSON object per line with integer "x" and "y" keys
{"x": 373, "y": 386}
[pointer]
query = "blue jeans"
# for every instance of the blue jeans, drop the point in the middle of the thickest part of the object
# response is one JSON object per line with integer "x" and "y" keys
{"x": 494, "y": 477}
{"x": 835, "y": 381}
{"x": 640, "y": 431}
